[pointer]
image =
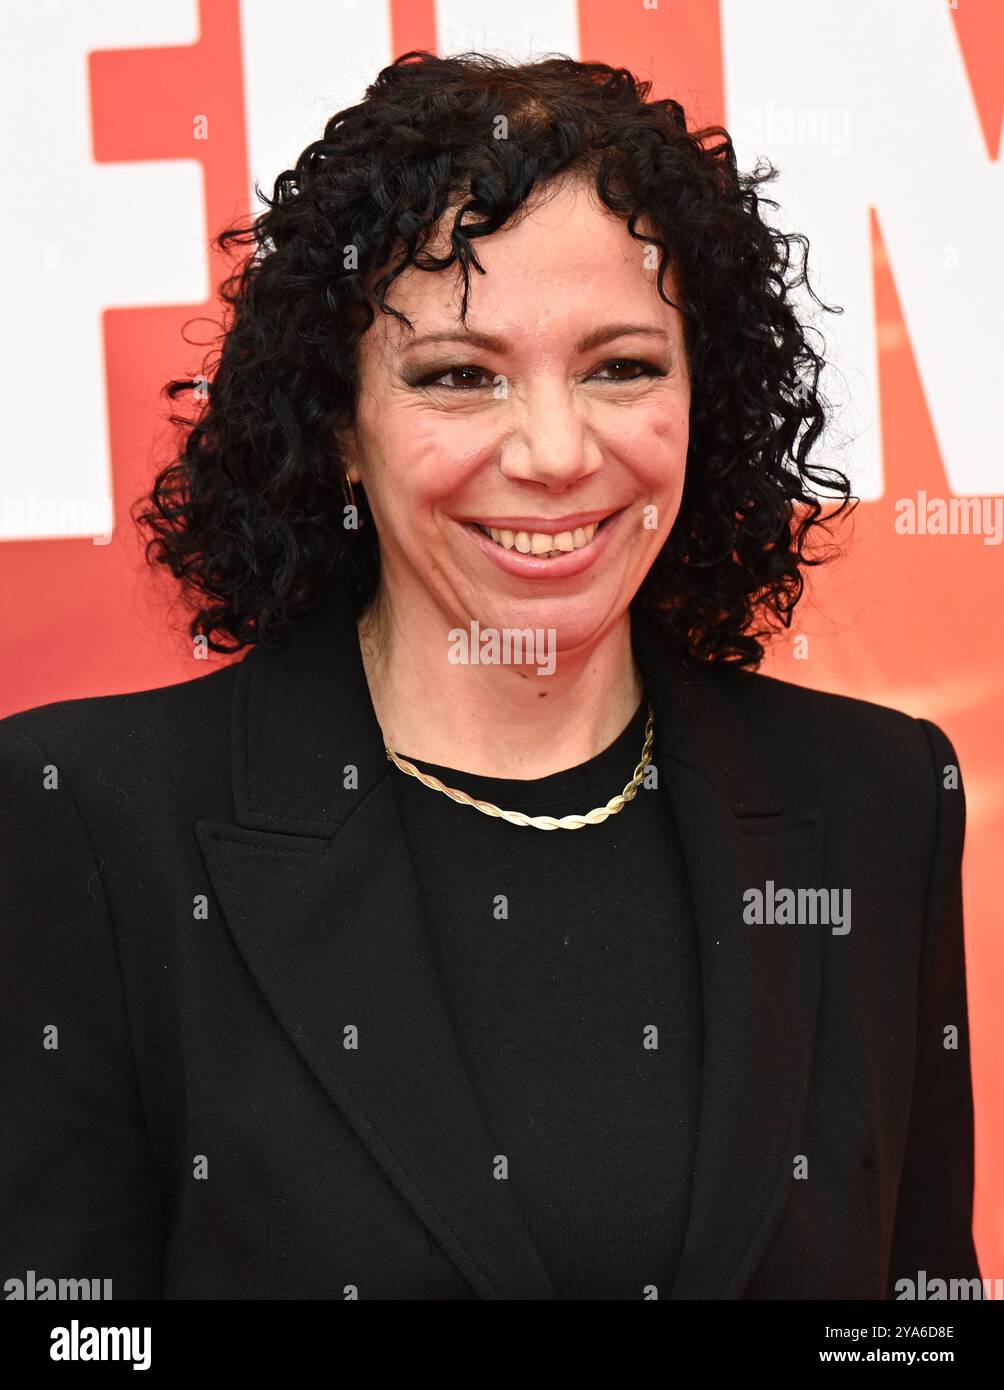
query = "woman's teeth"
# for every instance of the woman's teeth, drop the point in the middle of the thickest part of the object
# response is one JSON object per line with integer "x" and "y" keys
{"x": 541, "y": 544}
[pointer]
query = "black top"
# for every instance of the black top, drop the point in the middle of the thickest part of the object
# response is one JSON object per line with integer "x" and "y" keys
{"x": 297, "y": 1038}
{"x": 570, "y": 969}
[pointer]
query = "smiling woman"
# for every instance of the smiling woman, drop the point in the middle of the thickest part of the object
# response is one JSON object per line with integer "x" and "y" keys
{"x": 332, "y": 1019}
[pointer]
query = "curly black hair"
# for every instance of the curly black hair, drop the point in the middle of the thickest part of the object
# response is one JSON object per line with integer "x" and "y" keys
{"x": 248, "y": 514}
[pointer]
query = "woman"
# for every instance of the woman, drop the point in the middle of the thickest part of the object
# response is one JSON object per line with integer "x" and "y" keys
{"x": 301, "y": 1002}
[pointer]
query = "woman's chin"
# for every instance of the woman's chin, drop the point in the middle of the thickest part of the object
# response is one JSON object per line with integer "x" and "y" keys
{"x": 568, "y": 625}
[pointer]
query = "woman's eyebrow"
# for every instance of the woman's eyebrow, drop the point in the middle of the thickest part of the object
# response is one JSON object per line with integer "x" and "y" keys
{"x": 488, "y": 343}
{"x": 600, "y": 336}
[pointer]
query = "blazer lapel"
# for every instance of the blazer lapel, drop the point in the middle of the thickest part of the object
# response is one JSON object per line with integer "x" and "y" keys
{"x": 315, "y": 882}
{"x": 760, "y": 984}
{"x": 318, "y": 892}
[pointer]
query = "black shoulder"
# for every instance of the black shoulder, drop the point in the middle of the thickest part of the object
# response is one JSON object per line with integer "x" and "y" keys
{"x": 770, "y": 698}
{"x": 132, "y": 724}
{"x": 821, "y": 735}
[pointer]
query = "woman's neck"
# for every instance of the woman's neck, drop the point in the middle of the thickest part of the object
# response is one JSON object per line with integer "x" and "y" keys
{"x": 491, "y": 718}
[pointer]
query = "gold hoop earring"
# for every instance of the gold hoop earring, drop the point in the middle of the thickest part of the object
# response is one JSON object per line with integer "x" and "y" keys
{"x": 349, "y": 494}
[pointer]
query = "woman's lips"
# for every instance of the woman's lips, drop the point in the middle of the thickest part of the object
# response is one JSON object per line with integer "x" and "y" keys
{"x": 528, "y": 566}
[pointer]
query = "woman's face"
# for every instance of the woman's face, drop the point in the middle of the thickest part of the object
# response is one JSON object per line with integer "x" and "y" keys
{"x": 565, "y": 402}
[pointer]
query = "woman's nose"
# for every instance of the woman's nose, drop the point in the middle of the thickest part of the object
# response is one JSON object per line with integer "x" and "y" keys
{"x": 551, "y": 441}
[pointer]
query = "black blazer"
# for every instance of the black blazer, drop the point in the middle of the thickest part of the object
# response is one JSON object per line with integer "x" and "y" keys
{"x": 216, "y": 897}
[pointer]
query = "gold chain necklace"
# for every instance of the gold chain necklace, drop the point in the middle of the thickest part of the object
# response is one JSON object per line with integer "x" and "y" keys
{"x": 594, "y": 817}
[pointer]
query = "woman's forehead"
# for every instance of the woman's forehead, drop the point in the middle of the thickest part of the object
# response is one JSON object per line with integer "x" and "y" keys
{"x": 553, "y": 272}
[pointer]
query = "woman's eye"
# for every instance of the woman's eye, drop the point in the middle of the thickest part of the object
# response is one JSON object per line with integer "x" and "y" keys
{"x": 441, "y": 379}
{"x": 644, "y": 368}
